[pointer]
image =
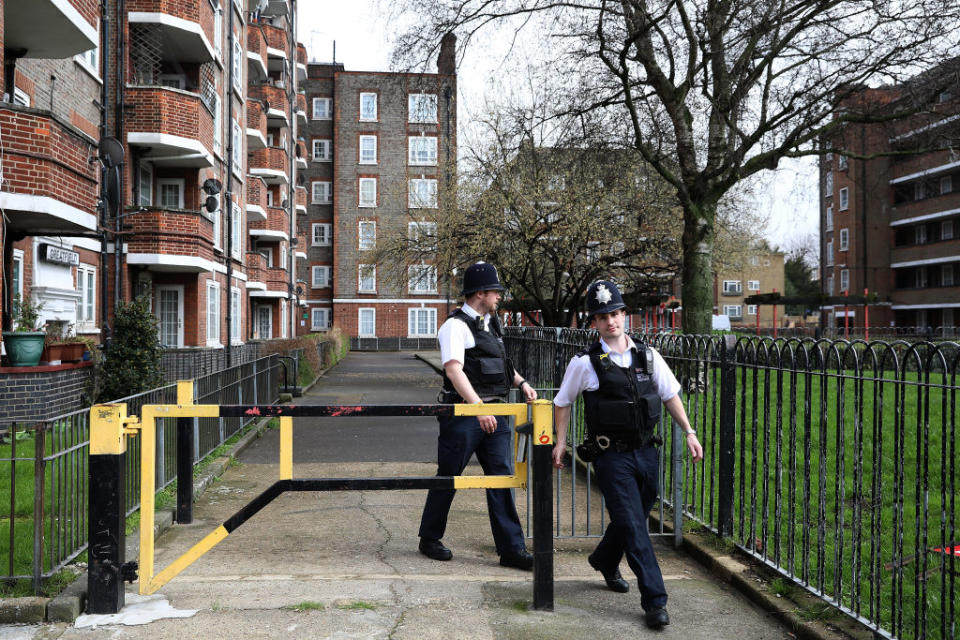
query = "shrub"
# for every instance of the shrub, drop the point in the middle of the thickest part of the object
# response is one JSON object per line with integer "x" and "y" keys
{"x": 131, "y": 362}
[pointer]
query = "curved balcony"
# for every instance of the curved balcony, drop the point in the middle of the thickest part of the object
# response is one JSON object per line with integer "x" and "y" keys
{"x": 278, "y": 46}
{"x": 50, "y": 29}
{"x": 302, "y": 108}
{"x": 49, "y": 187}
{"x": 186, "y": 28}
{"x": 170, "y": 240}
{"x": 275, "y": 284}
{"x": 274, "y": 229}
{"x": 269, "y": 164}
{"x": 277, "y": 8}
{"x": 301, "y": 152}
{"x": 277, "y": 104}
{"x": 301, "y": 200}
{"x": 301, "y": 62}
{"x": 256, "y": 199}
{"x": 155, "y": 112}
{"x": 256, "y": 53}
{"x": 256, "y": 125}
{"x": 256, "y": 275}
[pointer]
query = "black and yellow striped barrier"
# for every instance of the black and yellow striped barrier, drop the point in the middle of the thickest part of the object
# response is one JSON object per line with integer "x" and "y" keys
{"x": 109, "y": 423}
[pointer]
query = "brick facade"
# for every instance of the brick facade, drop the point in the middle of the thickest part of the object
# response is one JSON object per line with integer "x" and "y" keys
{"x": 61, "y": 387}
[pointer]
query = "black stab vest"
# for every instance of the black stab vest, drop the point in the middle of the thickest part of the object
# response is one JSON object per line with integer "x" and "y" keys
{"x": 626, "y": 406}
{"x": 485, "y": 364}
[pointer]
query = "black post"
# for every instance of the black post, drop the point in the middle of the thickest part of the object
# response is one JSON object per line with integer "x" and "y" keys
{"x": 542, "y": 487}
{"x": 185, "y": 470}
{"x": 728, "y": 416}
{"x": 39, "y": 479}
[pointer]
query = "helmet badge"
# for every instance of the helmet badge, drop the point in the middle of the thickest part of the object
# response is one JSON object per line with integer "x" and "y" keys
{"x": 603, "y": 294}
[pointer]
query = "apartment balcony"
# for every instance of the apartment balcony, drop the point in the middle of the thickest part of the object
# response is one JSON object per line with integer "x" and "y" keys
{"x": 276, "y": 101}
{"x": 301, "y": 201}
{"x": 926, "y": 164}
{"x": 278, "y": 47}
{"x": 170, "y": 240}
{"x": 256, "y": 271}
{"x": 302, "y": 109}
{"x": 186, "y": 29}
{"x": 301, "y": 62}
{"x": 277, "y": 8}
{"x": 929, "y": 253}
{"x": 927, "y": 297}
{"x": 275, "y": 281}
{"x": 50, "y": 29}
{"x": 275, "y": 228}
{"x": 256, "y": 204}
{"x": 947, "y": 205}
{"x": 269, "y": 164}
{"x": 256, "y": 53}
{"x": 171, "y": 127}
{"x": 49, "y": 187}
{"x": 256, "y": 125}
{"x": 301, "y": 153}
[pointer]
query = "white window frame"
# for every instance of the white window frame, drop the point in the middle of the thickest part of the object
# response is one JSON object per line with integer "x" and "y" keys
{"x": 320, "y": 276}
{"x": 751, "y": 309}
{"x": 172, "y": 80}
{"x": 216, "y": 217}
{"x": 213, "y": 313}
{"x": 322, "y": 150}
{"x": 320, "y": 234}
{"x": 319, "y": 319}
{"x": 267, "y": 254}
{"x": 733, "y": 310}
{"x": 732, "y": 287}
{"x": 828, "y": 185}
{"x": 217, "y": 124}
{"x": 366, "y": 235}
{"x": 238, "y": 64}
{"x": 422, "y": 278}
{"x": 416, "y": 229}
{"x": 829, "y": 218}
{"x": 414, "y": 188}
{"x": 282, "y": 250}
{"x": 236, "y": 315}
{"x": 284, "y": 321}
{"x": 422, "y": 150}
{"x": 218, "y": 29}
{"x": 323, "y": 107}
{"x": 237, "y": 143}
{"x": 177, "y": 182}
{"x": 148, "y": 201}
{"x": 372, "y": 97}
{"x": 361, "y": 202}
{"x": 269, "y": 197}
{"x": 415, "y": 103}
{"x": 413, "y": 322}
{"x": 920, "y": 234}
{"x": 86, "y": 286}
{"x": 365, "y": 153}
{"x": 372, "y": 311}
{"x": 842, "y": 163}
{"x": 18, "y": 284}
{"x": 237, "y": 232}
{"x": 845, "y": 280}
{"x": 753, "y": 285}
{"x": 829, "y": 252}
{"x": 946, "y": 185}
{"x": 830, "y": 285}
{"x": 945, "y": 280}
{"x": 844, "y": 199}
{"x": 321, "y": 192}
{"x": 90, "y": 59}
{"x": 946, "y": 230}
{"x": 844, "y": 239}
{"x": 371, "y": 278}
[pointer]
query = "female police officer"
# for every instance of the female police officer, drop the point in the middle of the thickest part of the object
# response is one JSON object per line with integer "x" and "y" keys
{"x": 623, "y": 385}
{"x": 476, "y": 370}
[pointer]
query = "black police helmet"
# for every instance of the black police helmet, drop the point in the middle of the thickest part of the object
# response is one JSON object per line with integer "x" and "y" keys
{"x": 481, "y": 276}
{"x": 603, "y": 297}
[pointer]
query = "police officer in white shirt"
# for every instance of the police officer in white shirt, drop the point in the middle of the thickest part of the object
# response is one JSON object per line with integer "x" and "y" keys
{"x": 476, "y": 370}
{"x": 623, "y": 385}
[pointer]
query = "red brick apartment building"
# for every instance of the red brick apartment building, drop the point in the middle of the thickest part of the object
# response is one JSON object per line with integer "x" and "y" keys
{"x": 203, "y": 97}
{"x": 380, "y": 144}
{"x": 890, "y": 224}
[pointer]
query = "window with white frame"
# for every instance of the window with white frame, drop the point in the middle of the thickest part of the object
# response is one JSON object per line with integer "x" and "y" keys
{"x": 920, "y": 277}
{"x": 284, "y": 323}
{"x": 754, "y": 261}
{"x": 946, "y": 230}
{"x": 844, "y": 239}
{"x": 422, "y": 278}
{"x": 237, "y": 143}
{"x": 236, "y": 320}
{"x": 237, "y": 231}
{"x": 366, "y": 322}
{"x": 422, "y": 193}
{"x": 422, "y": 235}
{"x": 368, "y": 150}
{"x": 217, "y": 122}
{"x": 18, "y": 272}
{"x": 367, "y": 278}
{"x": 238, "y": 64}
{"x": 321, "y": 192}
{"x": 829, "y": 252}
{"x": 421, "y": 323}
{"x": 422, "y": 107}
{"x": 732, "y": 287}
{"x": 844, "y": 199}
{"x": 946, "y": 184}
{"x": 319, "y": 319}
{"x": 828, "y": 185}
{"x": 20, "y": 97}
{"x": 322, "y": 108}
{"x": 170, "y": 193}
{"x": 829, "y": 221}
{"x": 844, "y": 280}
{"x": 216, "y": 217}
{"x": 269, "y": 197}
{"x": 829, "y": 285}
{"x": 217, "y": 28}
{"x": 368, "y": 107}
{"x": 322, "y": 150}
{"x": 946, "y": 275}
{"x": 267, "y": 256}
{"x": 367, "y": 235}
{"x": 753, "y": 285}
{"x": 282, "y": 250}
{"x": 842, "y": 163}
{"x": 751, "y": 309}
{"x": 367, "y": 192}
{"x": 87, "y": 288}
{"x": 733, "y": 310}
{"x": 90, "y": 59}
{"x": 213, "y": 313}
{"x": 320, "y": 234}
{"x": 145, "y": 186}
{"x": 919, "y": 190}
{"x": 920, "y": 234}
{"x": 320, "y": 276}
{"x": 422, "y": 150}
{"x": 172, "y": 80}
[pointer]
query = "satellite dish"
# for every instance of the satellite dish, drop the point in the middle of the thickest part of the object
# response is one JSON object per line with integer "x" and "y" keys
{"x": 212, "y": 203}
{"x": 212, "y": 186}
{"x": 301, "y": 180}
{"x": 110, "y": 152}
{"x": 285, "y": 203}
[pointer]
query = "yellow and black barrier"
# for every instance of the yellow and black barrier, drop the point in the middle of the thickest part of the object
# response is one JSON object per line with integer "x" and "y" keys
{"x": 109, "y": 423}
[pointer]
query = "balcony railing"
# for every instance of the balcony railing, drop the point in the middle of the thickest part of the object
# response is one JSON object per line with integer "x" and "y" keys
{"x": 187, "y": 38}
{"x": 256, "y": 199}
{"x": 276, "y": 227}
{"x": 179, "y": 235}
{"x": 174, "y": 126}
{"x": 277, "y": 39}
{"x": 270, "y": 164}
{"x": 276, "y": 99}
{"x": 256, "y": 125}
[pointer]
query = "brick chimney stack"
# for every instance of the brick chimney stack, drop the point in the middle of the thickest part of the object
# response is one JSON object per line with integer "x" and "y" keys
{"x": 447, "y": 60}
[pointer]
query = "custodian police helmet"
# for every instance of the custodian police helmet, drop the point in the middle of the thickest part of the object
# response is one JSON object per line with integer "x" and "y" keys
{"x": 481, "y": 276}
{"x": 603, "y": 297}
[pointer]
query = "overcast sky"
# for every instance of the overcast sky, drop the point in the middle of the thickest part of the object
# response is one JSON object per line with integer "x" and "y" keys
{"x": 364, "y": 41}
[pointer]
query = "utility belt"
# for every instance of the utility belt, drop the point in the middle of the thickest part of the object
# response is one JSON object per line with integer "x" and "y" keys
{"x": 595, "y": 446}
{"x": 452, "y": 397}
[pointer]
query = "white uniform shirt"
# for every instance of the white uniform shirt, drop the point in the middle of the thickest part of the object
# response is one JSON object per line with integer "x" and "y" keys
{"x": 580, "y": 376}
{"x": 455, "y": 336}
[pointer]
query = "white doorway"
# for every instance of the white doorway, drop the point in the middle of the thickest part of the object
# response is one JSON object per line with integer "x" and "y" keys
{"x": 264, "y": 321}
{"x": 169, "y": 311}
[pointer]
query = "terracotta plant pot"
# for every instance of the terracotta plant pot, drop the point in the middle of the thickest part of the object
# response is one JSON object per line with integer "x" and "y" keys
{"x": 60, "y": 352}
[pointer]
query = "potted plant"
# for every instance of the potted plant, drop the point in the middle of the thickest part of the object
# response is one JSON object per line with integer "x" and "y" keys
{"x": 59, "y": 345}
{"x": 25, "y": 343}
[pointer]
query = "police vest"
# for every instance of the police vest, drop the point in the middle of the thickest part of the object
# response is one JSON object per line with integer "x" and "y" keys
{"x": 485, "y": 364}
{"x": 626, "y": 406}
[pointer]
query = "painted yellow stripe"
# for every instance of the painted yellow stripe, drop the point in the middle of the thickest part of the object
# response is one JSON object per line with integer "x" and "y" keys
{"x": 148, "y": 427}
{"x": 489, "y": 482}
{"x": 187, "y": 411}
{"x": 184, "y": 392}
{"x": 187, "y": 559}
{"x": 542, "y": 423}
{"x": 106, "y": 429}
{"x": 286, "y": 448}
{"x": 492, "y": 409}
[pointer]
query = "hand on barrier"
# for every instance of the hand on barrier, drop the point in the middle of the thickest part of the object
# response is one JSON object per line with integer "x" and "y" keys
{"x": 488, "y": 424}
{"x": 529, "y": 393}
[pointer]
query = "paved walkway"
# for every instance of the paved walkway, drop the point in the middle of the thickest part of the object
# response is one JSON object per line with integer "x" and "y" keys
{"x": 345, "y": 565}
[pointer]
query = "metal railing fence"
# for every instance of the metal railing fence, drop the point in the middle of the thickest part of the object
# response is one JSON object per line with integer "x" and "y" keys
{"x": 48, "y": 472}
{"x": 833, "y": 462}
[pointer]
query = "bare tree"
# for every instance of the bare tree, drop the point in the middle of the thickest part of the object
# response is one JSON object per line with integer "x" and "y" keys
{"x": 709, "y": 92}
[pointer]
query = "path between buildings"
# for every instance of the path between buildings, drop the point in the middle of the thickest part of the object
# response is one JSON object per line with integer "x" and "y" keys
{"x": 345, "y": 564}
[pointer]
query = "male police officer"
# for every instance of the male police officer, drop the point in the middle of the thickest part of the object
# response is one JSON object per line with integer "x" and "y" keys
{"x": 623, "y": 385}
{"x": 476, "y": 370}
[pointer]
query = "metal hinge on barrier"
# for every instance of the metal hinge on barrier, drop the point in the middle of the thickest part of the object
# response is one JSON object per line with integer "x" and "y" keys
{"x": 131, "y": 425}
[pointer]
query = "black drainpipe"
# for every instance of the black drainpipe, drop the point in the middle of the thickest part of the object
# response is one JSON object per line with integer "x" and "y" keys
{"x": 229, "y": 186}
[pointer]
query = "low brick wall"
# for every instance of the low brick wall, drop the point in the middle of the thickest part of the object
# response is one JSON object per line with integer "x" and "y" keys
{"x": 32, "y": 394}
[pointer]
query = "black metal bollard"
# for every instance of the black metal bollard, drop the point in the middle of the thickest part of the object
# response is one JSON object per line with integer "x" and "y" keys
{"x": 542, "y": 487}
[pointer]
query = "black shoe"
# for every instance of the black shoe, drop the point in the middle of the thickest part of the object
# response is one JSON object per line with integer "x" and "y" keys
{"x": 518, "y": 560}
{"x": 434, "y": 549}
{"x": 657, "y": 618}
{"x": 614, "y": 580}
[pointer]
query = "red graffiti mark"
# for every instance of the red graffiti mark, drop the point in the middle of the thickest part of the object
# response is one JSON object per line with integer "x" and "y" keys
{"x": 544, "y": 439}
{"x": 253, "y": 411}
{"x": 345, "y": 411}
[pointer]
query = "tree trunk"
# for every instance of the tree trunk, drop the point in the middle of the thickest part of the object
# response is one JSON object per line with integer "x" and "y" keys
{"x": 697, "y": 289}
